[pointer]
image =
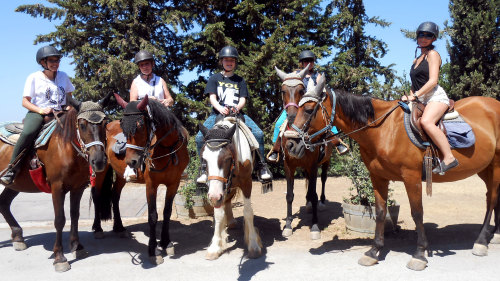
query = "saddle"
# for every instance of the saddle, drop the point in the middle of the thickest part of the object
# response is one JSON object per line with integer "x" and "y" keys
{"x": 246, "y": 131}
{"x": 416, "y": 115}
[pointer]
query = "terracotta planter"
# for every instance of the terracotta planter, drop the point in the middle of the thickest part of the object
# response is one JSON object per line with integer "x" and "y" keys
{"x": 201, "y": 207}
{"x": 361, "y": 218}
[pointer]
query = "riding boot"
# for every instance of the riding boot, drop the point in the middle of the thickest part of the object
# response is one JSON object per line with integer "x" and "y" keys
{"x": 202, "y": 178}
{"x": 263, "y": 172}
{"x": 274, "y": 153}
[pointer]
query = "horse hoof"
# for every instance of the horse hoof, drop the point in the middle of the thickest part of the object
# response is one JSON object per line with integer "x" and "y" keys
{"x": 62, "y": 266}
{"x": 315, "y": 235}
{"x": 480, "y": 250}
{"x": 99, "y": 235}
{"x": 495, "y": 239}
{"x": 170, "y": 250}
{"x": 80, "y": 254}
{"x": 156, "y": 260}
{"x": 233, "y": 224}
{"x": 321, "y": 206}
{"x": 19, "y": 246}
{"x": 212, "y": 256}
{"x": 367, "y": 261}
{"x": 416, "y": 264}
{"x": 254, "y": 254}
{"x": 287, "y": 232}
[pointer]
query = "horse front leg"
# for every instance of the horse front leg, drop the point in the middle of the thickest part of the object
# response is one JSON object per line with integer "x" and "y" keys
{"x": 115, "y": 200}
{"x": 6, "y": 198}
{"x": 496, "y": 235}
{"x": 165, "y": 242}
{"x": 312, "y": 197}
{"x": 324, "y": 176}
{"x": 380, "y": 188}
{"x": 60, "y": 262}
{"x": 153, "y": 251}
{"x": 290, "y": 176}
{"x": 76, "y": 248}
{"x": 219, "y": 240}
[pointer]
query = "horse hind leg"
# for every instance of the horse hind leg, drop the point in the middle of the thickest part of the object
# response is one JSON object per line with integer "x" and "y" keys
{"x": 252, "y": 238}
{"x": 219, "y": 240}
{"x": 496, "y": 235}
{"x": 115, "y": 203}
{"x": 324, "y": 175}
{"x": 231, "y": 221}
{"x": 6, "y": 198}
{"x": 481, "y": 244}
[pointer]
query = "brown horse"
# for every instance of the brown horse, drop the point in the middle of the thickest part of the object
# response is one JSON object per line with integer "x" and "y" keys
{"x": 229, "y": 161}
{"x": 66, "y": 157}
{"x": 310, "y": 159}
{"x": 157, "y": 145}
{"x": 389, "y": 155}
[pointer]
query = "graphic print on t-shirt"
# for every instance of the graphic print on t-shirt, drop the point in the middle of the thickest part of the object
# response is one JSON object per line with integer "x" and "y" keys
{"x": 55, "y": 97}
{"x": 228, "y": 93}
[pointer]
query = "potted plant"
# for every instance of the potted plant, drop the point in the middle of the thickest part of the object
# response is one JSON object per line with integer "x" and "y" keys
{"x": 359, "y": 206}
{"x": 191, "y": 199}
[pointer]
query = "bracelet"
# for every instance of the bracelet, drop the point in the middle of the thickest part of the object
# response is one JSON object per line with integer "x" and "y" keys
{"x": 41, "y": 112}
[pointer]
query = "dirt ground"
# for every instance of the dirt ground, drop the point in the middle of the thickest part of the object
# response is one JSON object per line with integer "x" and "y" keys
{"x": 453, "y": 214}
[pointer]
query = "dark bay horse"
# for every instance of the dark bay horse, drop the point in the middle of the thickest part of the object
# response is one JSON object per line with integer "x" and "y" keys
{"x": 309, "y": 160}
{"x": 389, "y": 155}
{"x": 72, "y": 147}
{"x": 229, "y": 161}
{"x": 157, "y": 145}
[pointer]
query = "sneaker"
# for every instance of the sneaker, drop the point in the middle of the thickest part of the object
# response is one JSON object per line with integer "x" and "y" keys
{"x": 342, "y": 149}
{"x": 264, "y": 174}
{"x": 8, "y": 177}
{"x": 442, "y": 168}
{"x": 202, "y": 178}
{"x": 272, "y": 157}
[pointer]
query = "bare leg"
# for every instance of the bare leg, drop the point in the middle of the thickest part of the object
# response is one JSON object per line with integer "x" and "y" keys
{"x": 432, "y": 113}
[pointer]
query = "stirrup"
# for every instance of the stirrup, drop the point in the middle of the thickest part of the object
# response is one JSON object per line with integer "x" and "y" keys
{"x": 8, "y": 177}
{"x": 342, "y": 148}
{"x": 271, "y": 153}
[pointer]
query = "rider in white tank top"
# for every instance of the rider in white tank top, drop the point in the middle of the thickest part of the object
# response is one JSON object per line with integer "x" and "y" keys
{"x": 153, "y": 88}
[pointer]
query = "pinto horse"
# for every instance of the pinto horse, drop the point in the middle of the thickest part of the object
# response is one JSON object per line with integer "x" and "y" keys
{"x": 229, "y": 165}
{"x": 157, "y": 145}
{"x": 309, "y": 160}
{"x": 74, "y": 145}
{"x": 389, "y": 155}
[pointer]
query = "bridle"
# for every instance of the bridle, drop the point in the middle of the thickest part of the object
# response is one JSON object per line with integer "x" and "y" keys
{"x": 83, "y": 148}
{"x": 290, "y": 85}
{"x": 220, "y": 144}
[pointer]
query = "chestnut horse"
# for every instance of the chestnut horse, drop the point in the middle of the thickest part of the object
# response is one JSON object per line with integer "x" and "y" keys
{"x": 309, "y": 160}
{"x": 157, "y": 145}
{"x": 229, "y": 165}
{"x": 74, "y": 145}
{"x": 389, "y": 155}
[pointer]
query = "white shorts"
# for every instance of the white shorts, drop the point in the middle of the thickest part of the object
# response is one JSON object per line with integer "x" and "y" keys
{"x": 437, "y": 94}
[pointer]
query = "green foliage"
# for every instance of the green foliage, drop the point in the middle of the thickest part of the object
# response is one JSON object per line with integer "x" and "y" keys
{"x": 189, "y": 188}
{"x": 475, "y": 48}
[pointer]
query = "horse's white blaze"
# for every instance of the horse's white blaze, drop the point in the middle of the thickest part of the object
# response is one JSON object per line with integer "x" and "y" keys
{"x": 251, "y": 236}
{"x": 219, "y": 239}
{"x": 215, "y": 187}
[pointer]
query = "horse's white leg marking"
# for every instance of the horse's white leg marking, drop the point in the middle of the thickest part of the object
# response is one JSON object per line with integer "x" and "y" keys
{"x": 220, "y": 235}
{"x": 252, "y": 238}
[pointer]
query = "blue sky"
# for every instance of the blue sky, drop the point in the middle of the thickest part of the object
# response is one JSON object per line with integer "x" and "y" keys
{"x": 19, "y": 31}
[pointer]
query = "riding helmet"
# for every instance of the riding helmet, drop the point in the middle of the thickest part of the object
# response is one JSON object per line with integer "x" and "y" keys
{"x": 45, "y": 52}
{"x": 143, "y": 55}
{"x": 228, "y": 52}
{"x": 306, "y": 54}
{"x": 430, "y": 27}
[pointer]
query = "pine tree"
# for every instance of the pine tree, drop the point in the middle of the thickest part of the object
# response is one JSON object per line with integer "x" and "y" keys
{"x": 475, "y": 48}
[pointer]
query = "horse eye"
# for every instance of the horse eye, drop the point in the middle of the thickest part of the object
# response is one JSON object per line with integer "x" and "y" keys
{"x": 301, "y": 92}
{"x": 309, "y": 111}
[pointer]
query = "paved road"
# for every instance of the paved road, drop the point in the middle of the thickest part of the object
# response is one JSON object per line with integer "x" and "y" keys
{"x": 117, "y": 258}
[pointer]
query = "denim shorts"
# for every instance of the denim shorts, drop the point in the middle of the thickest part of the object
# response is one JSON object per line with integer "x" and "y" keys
{"x": 437, "y": 94}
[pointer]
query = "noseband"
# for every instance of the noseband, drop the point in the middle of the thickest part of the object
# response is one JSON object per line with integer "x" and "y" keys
{"x": 221, "y": 143}
{"x": 84, "y": 148}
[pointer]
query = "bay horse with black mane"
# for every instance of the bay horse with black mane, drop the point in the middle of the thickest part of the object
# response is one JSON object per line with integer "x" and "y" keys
{"x": 389, "y": 155}
{"x": 156, "y": 145}
{"x": 76, "y": 143}
{"x": 229, "y": 159}
{"x": 292, "y": 90}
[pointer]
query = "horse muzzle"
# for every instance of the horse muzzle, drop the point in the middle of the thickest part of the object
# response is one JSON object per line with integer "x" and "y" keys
{"x": 296, "y": 148}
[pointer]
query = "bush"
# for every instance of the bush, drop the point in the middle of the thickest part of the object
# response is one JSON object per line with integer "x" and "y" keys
{"x": 189, "y": 188}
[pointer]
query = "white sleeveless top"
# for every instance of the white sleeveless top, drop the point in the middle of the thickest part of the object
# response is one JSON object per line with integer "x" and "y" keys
{"x": 154, "y": 88}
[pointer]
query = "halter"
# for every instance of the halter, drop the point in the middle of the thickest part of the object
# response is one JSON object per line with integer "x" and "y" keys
{"x": 292, "y": 84}
{"x": 222, "y": 143}
{"x": 83, "y": 149}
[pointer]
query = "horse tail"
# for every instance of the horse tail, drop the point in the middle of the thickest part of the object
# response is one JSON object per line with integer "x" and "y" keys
{"x": 103, "y": 196}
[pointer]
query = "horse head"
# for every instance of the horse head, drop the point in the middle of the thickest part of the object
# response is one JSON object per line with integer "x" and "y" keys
{"x": 307, "y": 121}
{"x": 292, "y": 90}
{"x": 219, "y": 153}
{"x": 137, "y": 128}
{"x": 91, "y": 130}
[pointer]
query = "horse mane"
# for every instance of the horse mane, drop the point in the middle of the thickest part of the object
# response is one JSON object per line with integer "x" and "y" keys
{"x": 68, "y": 129}
{"x": 358, "y": 109}
{"x": 162, "y": 116}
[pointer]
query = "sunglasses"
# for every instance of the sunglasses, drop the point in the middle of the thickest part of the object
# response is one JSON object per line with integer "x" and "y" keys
{"x": 425, "y": 35}
{"x": 307, "y": 60}
{"x": 54, "y": 60}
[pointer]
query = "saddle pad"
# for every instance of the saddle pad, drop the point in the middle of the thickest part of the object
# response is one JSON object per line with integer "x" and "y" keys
{"x": 8, "y": 132}
{"x": 459, "y": 132}
{"x": 246, "y": 131}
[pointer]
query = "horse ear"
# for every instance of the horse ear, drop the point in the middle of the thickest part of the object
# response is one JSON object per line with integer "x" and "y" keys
{"x": 231, "y": 131}
{"x": 120, "y": 101}
{"x": 304, "y": 71}
{"x": 321, "y": 85}
{"x": 203, "y": 129}
{"x": 104, "y": 101}
{"x": 280, "y": 73}
{"x": 74, "y": 103}
{"x": 144, "y": 102}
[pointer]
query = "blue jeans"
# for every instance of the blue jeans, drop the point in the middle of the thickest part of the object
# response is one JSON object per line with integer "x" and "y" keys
{"x": 282, "y": 119}
{"x": 256, "y": 131}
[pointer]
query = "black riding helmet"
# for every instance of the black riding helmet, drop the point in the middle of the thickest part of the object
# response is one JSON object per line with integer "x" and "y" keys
{"x": 306, "y": 54}
{"x": 428, "y": 26}
{"x": 45, "y": 52}
{"x": 143, "y": 55}
{"x": 228, "y": 52}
